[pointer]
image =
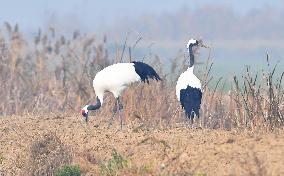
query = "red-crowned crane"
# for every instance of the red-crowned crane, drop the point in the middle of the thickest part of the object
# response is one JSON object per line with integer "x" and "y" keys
{"x": 188, "y": 88}
{"x": 115, "y": 78}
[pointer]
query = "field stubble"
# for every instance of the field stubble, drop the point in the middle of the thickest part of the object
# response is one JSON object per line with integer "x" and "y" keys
{"x": 30, "y": 144}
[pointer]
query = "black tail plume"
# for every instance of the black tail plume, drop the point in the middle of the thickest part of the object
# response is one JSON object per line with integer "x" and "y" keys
{"x": 190, "y": 99}
{"x": 145, "y": 71}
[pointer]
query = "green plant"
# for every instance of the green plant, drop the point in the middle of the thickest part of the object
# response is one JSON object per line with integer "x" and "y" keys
{"x": 68, "y": 170}
{"x": 147, "y": 168}
{"x": 116, "y": 163}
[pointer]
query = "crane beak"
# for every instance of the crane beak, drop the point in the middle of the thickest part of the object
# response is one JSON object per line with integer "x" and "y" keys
{"x": 85, "y": 114}
{"x": 203, "y": 45}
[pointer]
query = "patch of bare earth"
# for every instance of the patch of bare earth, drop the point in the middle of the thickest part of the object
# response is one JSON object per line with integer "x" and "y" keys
{"x": 176, "y": 150}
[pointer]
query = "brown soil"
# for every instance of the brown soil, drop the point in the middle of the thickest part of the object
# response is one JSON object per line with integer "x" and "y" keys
{"x": 172, "y": 151}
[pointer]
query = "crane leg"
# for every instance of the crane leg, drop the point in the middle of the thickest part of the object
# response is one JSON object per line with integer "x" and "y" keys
{"x": 199, "y": 122}
{"x": 191, "y": 119}
{"x": 119, "y": 107}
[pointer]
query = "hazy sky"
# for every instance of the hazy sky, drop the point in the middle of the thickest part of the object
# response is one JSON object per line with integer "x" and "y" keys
{"x": 31, "y": 14}
{"x": 110, "y": 15}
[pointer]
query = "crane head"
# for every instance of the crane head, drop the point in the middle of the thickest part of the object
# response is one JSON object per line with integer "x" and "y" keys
{"x": 195, "y": 42}
{"x": 84, "y": 112}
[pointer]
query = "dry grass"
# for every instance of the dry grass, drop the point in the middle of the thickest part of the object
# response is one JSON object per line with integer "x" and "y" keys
{"x": 51, "y": 78}
{"x": 135, "y": 150}
{"x": 54, "y": 74}
{"x": 47, "y": 154}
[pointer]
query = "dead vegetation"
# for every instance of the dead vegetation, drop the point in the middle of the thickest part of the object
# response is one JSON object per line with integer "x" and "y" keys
{"x": 54, "y": 74}
{"x": 47, "y": 154}
{"x": 51, "y": 78}
{"x": 51, "y": 142}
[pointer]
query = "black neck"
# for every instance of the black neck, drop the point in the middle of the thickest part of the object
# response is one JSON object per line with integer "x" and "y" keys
{"x": 191, "y": 55}
{"x": 96, "y": 106}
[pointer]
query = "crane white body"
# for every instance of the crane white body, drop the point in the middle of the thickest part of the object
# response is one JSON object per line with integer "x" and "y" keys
{"x": 115, "y": 78}
{"x": 187, "y": 78}
{"x": 188, "y": 87}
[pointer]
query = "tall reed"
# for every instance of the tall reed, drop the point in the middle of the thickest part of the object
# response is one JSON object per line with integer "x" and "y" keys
{"x": 54, "y": 74}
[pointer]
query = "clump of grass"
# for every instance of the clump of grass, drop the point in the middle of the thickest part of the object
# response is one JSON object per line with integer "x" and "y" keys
{"x": 68, "y": 170}
{"x": 254, "y": 100}
{"x": 259, "y": 100}
{"x": 47, "y": 154}
{"x": 114, "y": 165}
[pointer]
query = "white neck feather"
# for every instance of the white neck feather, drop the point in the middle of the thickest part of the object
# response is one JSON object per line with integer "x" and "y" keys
{"x": 100, "y": 96}
{"x": 190, "y": 69}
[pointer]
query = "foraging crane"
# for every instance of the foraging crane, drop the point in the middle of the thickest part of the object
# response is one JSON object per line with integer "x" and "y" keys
{"x": 115, "y": 78}
{"x": 188, "y": 88}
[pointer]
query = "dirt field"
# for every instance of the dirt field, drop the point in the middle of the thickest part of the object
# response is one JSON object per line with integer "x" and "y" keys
{"x": 174, "y": 151}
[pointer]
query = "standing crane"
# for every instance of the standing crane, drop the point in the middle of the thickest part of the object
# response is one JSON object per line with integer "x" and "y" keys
{"x": 188, "y": 88}
{"x": 115, "y": 78}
